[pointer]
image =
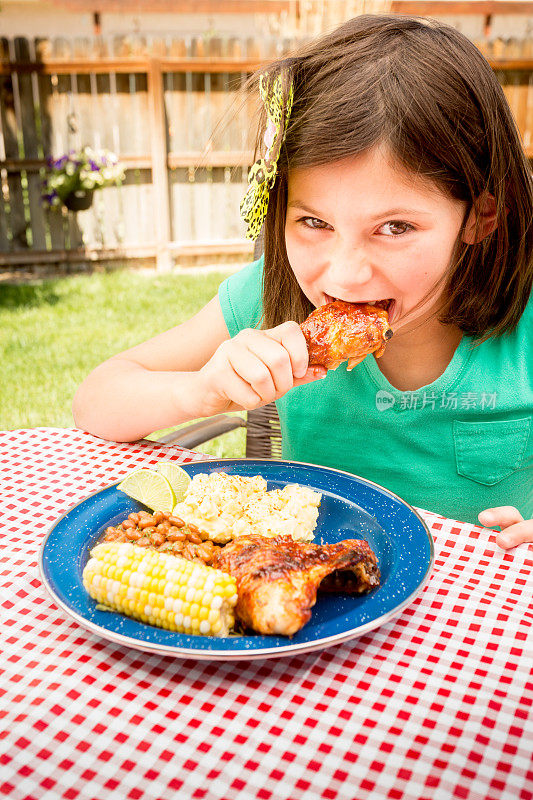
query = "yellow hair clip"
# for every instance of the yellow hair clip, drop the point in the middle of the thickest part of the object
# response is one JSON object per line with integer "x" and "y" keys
{"x": 262, "y": 174}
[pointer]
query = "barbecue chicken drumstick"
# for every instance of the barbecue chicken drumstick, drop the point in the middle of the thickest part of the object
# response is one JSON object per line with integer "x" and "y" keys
{"x": 278, "y": 578}
{"x": 341, "y": 331}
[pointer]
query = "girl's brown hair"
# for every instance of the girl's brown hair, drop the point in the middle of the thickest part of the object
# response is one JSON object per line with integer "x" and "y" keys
{"x": 424, "y": 90}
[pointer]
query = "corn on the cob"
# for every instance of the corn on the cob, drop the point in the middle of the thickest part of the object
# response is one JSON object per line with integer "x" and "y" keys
{"x": 161, "y": 589}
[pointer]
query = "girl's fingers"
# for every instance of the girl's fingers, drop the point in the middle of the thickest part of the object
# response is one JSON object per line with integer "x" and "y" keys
{"x": 515, "y": 529}
{"x": 251, "y": 368}
{"x": 281, "y": 350}
{"x": 311, "y": 374}
{"x": 516, "y": 534}
{"x": 239, "y": 391}
{"x": 290, "y": 336}
{"x": 256, "y": 367}
{"x": 501, "y": 515}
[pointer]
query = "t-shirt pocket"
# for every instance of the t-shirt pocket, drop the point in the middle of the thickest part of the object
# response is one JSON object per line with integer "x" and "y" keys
{"x": 488, "y": 452}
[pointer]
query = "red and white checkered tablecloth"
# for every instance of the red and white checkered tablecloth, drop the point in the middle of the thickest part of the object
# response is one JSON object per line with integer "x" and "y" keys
{"x": 434, "y": 705}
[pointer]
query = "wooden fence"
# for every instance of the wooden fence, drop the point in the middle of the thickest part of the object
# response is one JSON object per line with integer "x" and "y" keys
{"x": 159, "y": 106}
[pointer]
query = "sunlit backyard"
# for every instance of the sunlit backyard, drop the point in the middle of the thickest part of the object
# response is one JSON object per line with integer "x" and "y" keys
{"x": 53, "y": 332}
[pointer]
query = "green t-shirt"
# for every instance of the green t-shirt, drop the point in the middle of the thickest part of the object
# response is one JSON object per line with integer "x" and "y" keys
{"x": 456, "y": 446}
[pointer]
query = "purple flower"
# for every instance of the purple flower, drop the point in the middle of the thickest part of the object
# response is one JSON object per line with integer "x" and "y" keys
{"x": 49, "y": 197}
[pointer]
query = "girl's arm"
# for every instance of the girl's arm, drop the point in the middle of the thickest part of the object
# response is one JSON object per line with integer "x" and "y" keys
{"x": 153, "y": 385}
{"x": 193, "y": 370}
{"x": 515, "y": 529}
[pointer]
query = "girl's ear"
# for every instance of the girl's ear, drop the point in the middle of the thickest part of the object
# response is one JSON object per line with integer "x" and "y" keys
{"x": 482, "y": 219}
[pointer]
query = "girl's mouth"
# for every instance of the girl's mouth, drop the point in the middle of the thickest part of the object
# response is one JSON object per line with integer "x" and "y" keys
{"x": 389, "y": 304}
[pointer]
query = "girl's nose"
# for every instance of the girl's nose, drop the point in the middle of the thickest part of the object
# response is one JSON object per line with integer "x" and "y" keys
{"x": 350, "y": 267}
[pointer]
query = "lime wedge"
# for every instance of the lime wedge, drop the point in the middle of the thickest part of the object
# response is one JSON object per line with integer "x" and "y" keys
{"x": 149, "y": 488}
{"x": 176, "y": 476}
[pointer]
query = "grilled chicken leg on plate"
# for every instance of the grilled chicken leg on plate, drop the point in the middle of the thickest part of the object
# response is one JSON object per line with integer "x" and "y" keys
{"x": 278, "y": 578}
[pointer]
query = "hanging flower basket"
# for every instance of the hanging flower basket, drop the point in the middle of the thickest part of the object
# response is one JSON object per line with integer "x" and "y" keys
{"x": 73, "y": 178}
{"x": 79, "y": 200}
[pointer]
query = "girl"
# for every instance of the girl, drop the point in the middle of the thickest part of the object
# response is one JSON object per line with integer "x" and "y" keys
{"x": 391, "y": 170}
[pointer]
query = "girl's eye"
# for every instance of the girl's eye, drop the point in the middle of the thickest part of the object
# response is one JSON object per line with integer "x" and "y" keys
{"x": 313, "y": 222}
{"x": 395, "y": 228}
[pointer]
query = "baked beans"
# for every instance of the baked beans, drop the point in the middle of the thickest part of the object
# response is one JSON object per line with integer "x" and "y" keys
{"x": 164, "y": 532}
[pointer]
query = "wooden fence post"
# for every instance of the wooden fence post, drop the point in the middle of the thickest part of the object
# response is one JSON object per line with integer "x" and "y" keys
{"x": 158, "y": 141}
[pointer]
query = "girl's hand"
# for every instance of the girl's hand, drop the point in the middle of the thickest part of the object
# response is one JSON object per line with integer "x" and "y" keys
{"x": 255, "y": 368}
{"x": 515, "y": 529}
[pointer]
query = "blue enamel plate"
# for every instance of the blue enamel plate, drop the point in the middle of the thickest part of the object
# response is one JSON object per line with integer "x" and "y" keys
{"x": 351, "y": 508}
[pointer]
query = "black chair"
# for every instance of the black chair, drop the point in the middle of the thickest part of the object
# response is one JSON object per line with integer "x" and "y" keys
{"x": 263, "y": 431}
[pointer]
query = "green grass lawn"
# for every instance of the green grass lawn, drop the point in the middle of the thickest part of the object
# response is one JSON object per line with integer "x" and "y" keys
{"x": 52, "y": 333}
